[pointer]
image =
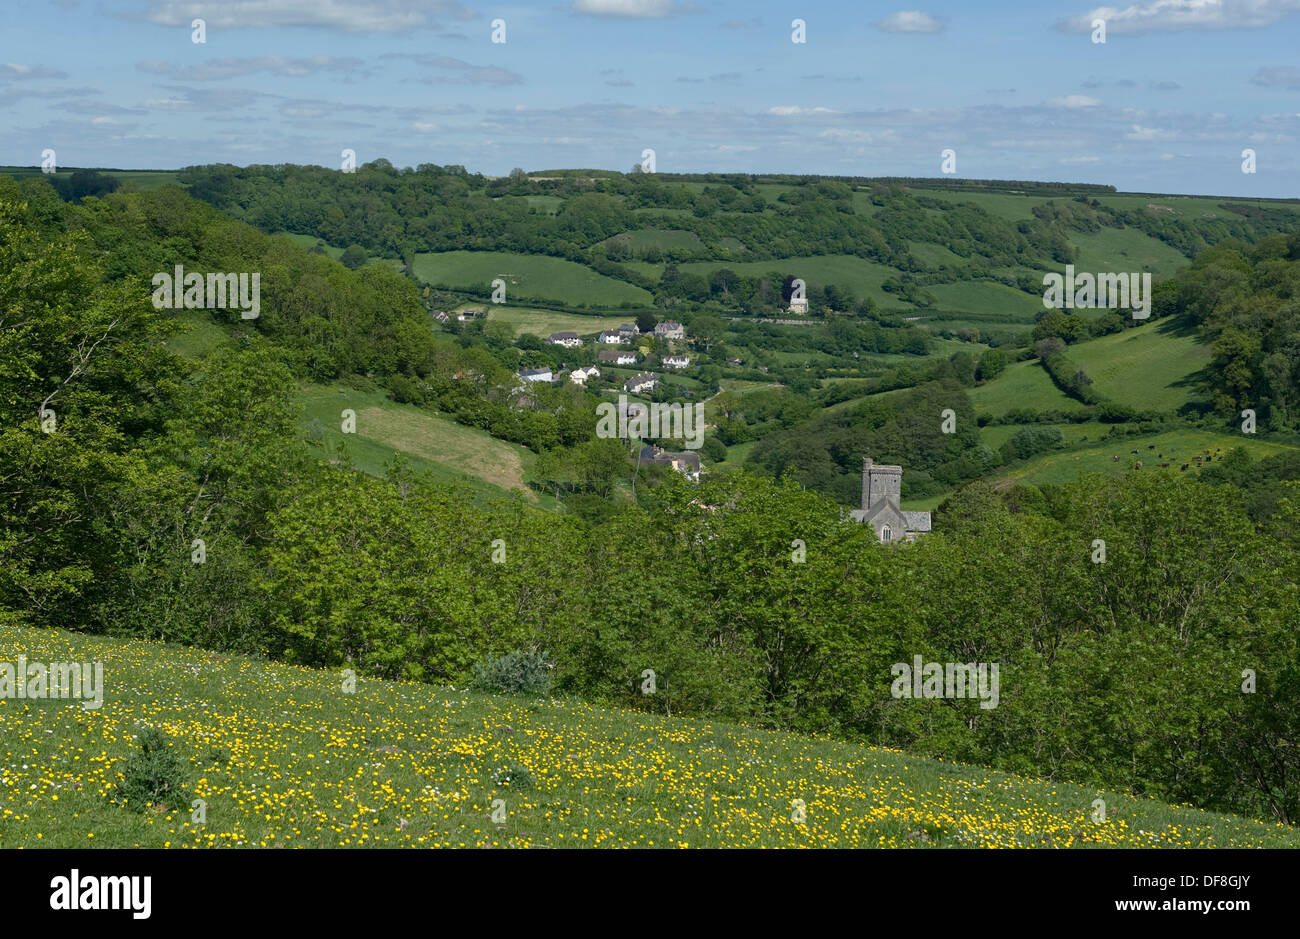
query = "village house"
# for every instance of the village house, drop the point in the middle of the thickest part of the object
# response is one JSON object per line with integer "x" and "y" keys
{"x": 676, "y": 361}
{"x": 466, "y": 316}
{"x": 628, "y": 332}
{"x": 881, "y": 490}
{"x": 609, "y": 338}
{"x": 732, "y": 360}
{"x": 579, "y": 376}
{"x": 686, "y": 463}
{"x": 670, "y": 329}
{"x": 568, "y": 340}
{"x": 441, "y": 316}
{"x": 616, "y": 356}
{"x": 536, "y": 374}
{"x": 642, "y": 383}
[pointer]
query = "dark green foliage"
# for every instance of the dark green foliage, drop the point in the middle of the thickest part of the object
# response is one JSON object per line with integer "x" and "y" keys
{"x": 154, "y": 773}
{"x": 518, "y": 672}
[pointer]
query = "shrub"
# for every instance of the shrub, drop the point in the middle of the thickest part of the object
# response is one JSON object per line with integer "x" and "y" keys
{"x": 517, "y": 672}
{"x": 153, "y": 772}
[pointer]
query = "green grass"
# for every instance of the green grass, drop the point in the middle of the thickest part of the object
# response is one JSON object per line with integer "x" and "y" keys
{"x": 432, "y": 443}
{"x": 663, "y": 239}
{"x": 527, "y": 276}
{"x": 1021, "y": 385}
{"x": 283, "y": 757}
{"x": 547, "y": 204}
{"x": 1149, "y": 367}
{"x": 1116, "y": 250}
{"x": 1007, "y": 206}
{"x": 544, "y": 322}
{"x": 985, "y": 299}
{"x": 1178, "y": 446}
{"x": 201, "y": 336}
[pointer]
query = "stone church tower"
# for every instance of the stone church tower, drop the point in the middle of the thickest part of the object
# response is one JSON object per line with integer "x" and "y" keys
{"x": 881, "y": 490}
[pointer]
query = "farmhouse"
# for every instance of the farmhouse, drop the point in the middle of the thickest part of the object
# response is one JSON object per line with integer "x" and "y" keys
{"x": 441, "y": 316}
{"x": 687, "y": 463}
{"x": 536, "y": 374}
{"x": 676, "y": 361}
{"x": 641, "y": 383}
{"x": 466, "y": 316}
{"x": 568, "y": 340}
{"x": 579, "y": 376}
{"x": 618, "y": 357}
{"x": 670, "y": 329}
{"x": 881, "y": 489}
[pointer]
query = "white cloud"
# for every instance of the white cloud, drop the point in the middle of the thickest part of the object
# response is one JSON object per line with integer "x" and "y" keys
{"x": 631, "y": 9}
{"x": 786, "y": 110}
{"x": 1161, "y": 15}
{"x": 1073, "y": 101}
{"x": 1278, "y": 77}
{"x": 356, "y": 16}
{"x": 910, "y": 21}
{"x": 217, "y": 69}
{"x": 424, "y": 128}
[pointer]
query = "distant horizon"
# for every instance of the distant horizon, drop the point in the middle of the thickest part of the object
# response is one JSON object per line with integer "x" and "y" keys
{"x": 945, "y": 180}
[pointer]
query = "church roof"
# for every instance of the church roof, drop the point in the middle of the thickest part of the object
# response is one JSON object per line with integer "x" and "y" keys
{"x": 917, "y": 521}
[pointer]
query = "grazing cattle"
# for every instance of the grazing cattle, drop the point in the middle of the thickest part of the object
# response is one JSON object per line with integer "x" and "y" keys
{"x": 1139, "y": 464}
{"x": 1117, "y": 459}
{"x": 1182, "y": 468}
{"x": 1134, "y": 452}
{"x": 1151, "y": 446}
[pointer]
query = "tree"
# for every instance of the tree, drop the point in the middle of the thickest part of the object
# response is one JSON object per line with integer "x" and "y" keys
{"x": 353, "y": 257}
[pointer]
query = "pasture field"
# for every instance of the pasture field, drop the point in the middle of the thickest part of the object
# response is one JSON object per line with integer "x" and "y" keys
{"x": 544, "y": 322}
{"x": 283, "y": 758}
{"x": 1126, "y": 249}
{"x": 978, "y": 299}
{"x": 1021, "y": 385}
{"x": 1004, "y": 205}
{"x": 1179, "y": 447}
{"x": 527, "y": 276}
{"x": 436, "y": 444}
{"x": 660, "y": 238}
{"x": 1150, "y": 367}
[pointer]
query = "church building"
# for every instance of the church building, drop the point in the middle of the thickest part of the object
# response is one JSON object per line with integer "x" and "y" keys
{"x": 881, "y": 489}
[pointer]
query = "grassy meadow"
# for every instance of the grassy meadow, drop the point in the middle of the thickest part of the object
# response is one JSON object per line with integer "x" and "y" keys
{"x": 527, "y": 276}
{"x": 283, "y": 757}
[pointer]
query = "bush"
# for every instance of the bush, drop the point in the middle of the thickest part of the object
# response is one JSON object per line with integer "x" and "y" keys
{"x": 152, "y": 772}
{"x": 516, "y": 672}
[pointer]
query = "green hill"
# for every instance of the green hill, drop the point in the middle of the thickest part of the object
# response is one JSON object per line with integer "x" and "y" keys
{"x": 283, "y": 757}
{"x": 1149, "y": 367}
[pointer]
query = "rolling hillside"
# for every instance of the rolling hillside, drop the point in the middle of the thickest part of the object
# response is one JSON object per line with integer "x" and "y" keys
{"x": 283, "y": 757}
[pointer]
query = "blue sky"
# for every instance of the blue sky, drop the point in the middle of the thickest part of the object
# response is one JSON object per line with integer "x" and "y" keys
{"x": 1018, "y": 89}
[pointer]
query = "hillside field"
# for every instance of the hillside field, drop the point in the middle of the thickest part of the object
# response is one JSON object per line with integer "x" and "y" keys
{"x": 527, "y": 276}
{"x": 436, "y": 444}
{"x": 283, "y": 757}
